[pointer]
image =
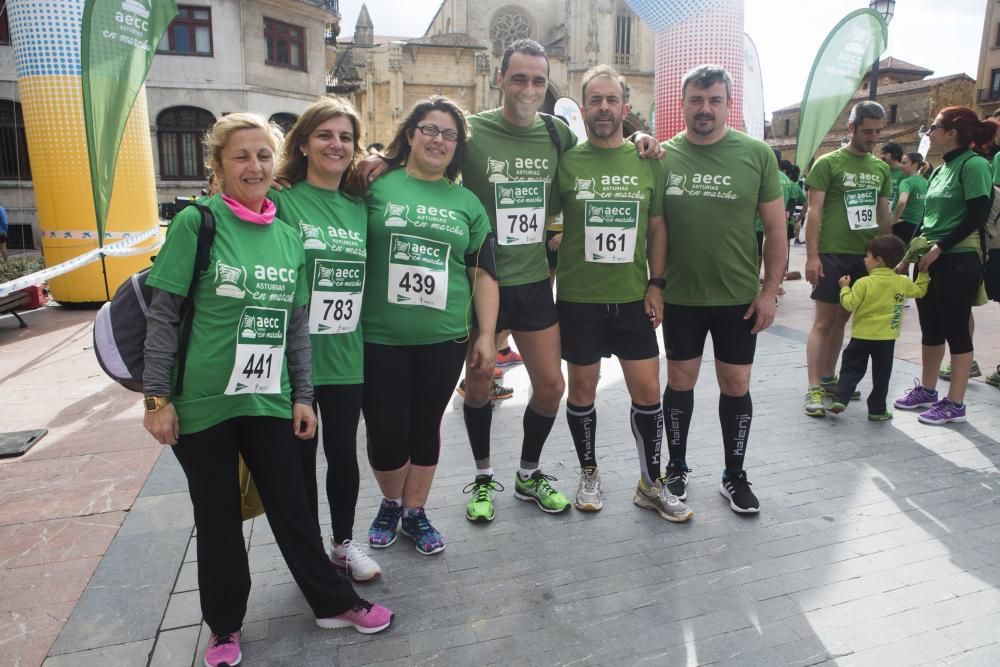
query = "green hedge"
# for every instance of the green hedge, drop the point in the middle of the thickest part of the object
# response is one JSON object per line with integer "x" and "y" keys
{"x": 15, "y": 267}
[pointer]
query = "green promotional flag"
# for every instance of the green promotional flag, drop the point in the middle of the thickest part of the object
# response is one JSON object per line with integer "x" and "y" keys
{"x": 117, "y": 44}
{"x": 845, "y": 57}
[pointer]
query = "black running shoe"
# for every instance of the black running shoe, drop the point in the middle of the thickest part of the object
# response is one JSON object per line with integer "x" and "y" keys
{"x": 736, "y": 489}
{"x": 676, "y": 476}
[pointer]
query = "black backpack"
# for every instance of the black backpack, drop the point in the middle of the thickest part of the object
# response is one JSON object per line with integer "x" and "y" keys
{"x": 120, "y": 326}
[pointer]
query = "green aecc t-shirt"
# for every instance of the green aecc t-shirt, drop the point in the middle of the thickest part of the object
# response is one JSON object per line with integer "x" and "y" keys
{"x": 332, "y": 229}
{"x": 710, "y": 204}
{"x": 607, "y": 196}
{"x": 853, "y": 185}
{"x": 964, "y": 177}
{"x": 916, "y": 188}
{"x": 510, "y": 169}
{"x": 242, "y": 305}
{"x": 417, "y": 290}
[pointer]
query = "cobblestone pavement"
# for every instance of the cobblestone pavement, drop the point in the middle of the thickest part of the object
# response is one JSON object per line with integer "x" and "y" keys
{"x": 876, "y": 543}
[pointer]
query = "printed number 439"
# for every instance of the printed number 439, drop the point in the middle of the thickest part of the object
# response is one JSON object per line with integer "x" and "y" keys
{"x": 417, "y": 282}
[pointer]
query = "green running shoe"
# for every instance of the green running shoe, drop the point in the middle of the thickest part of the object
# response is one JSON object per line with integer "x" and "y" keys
{"x": 814, "y": 402}
{"x": 993, "y": 378}
{"x": 538, "y": 489}
{"x": 480, "y": 505}
{"x": 974, "y": 371}
{"x": 830, "y": 388}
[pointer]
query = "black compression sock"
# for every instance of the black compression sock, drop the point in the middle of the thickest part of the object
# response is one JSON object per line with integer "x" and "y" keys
{"x": 735, "y": 415}
{"x": 677, "y": 409}
{"x": 582, "y": 422}
{"x": 536, "y": 429}
{"x": 647, "y": 427}
{"x": 478, "y": 422}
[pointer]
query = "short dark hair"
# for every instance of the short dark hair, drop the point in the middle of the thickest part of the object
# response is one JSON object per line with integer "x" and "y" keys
{"x": 706, "y": 76}
{"x": 597, "y": 72}
{"x": 893, "y": 149}
{"x": 528, "y": 47}
{"x": 916, "y": 158}
{"x": 866, "y": 109}
{"x": 890, "y": 249}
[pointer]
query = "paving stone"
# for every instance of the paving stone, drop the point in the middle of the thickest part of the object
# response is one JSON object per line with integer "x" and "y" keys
{"x": 183, "y": 610}
{"x": 175, "y": 647}
{"x": 131, "y": 653}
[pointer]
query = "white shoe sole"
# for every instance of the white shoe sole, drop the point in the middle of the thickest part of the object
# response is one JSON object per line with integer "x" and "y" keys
{"x": 524, "y": 496}
{"x": 354, "y": 577}
{"x": 939, "y": 422}
{"x": 588, "y": 507}
{"x": 239, "y": 659}
{"x": 733, "y": 506}
{"x": 334, "y": 623}
{"x": 648, "y": 504}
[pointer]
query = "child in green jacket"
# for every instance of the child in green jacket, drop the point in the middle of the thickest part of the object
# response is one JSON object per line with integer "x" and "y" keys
{"x": 877, "y": 303}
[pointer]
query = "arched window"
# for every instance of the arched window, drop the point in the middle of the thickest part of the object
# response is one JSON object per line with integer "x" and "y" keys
{"x": 14, "y": 164}
{"x": 510, "y": 23}
{"x": 284, "y": 120}
{"x": 624, "y": 26}
{"x": 180, "y": 131}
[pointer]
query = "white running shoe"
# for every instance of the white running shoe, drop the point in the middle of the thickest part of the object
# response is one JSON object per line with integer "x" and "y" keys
{"x": 588, "y": 492}
{"x": 352, "y": 559}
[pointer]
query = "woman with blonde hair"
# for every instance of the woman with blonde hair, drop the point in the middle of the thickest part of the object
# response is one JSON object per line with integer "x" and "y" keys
{"x": 319, "y": 154}
{"x": 247, "y": 389}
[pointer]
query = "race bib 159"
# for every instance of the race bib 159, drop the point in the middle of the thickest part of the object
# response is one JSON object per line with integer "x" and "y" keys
{"x": 861, "y": 208}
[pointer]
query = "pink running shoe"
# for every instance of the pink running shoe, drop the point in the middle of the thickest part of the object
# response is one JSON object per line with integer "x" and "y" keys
{"x": 223, "y": 650}
{"x": 508, "y": 358}
{"x": 365, "y": 617}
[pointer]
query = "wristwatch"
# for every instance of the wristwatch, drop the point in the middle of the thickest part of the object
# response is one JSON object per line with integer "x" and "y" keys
{"x": 657, "y": 282}
{"x": 154, "y": 403}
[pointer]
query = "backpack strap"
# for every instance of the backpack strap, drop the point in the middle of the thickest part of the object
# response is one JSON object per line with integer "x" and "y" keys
{"x": 202, "y": 259}
{"x": 550, "y": 125}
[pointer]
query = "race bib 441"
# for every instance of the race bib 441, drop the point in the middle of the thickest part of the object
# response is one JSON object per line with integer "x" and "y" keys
{"x": 335, "y": 306}
{"x": 610, "y": 228}
{"x": 520, "y": 207}
{"x": 260, "y": 352}
{"x": 418, "y": 271}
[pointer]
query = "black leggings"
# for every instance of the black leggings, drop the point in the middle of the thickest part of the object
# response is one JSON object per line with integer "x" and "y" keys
{"x": 407, "y": 388}
{"x": 339, "y": 408}
{"x": 945, "y": 311}
{"x": 209, "y": 459}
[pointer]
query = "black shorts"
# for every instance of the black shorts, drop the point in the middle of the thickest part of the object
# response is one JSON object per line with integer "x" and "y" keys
{"x": 827, "y": 289}
{"x": 553, "y": 255}
{"x": 685, "y": 329}
{"x": 589, "y": 331}
{"x": 527, "y": 307}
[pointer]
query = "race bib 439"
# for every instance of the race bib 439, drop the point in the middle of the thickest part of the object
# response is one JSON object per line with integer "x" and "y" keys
{"x": 418, "y": 271}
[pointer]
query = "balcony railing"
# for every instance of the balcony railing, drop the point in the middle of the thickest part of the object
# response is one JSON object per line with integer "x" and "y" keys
{"x": 988, "y": 95}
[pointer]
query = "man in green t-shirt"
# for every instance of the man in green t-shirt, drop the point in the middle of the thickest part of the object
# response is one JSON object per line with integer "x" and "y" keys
{"x": 892, "y": 155}
{"x": 612, "y": 205}
{"x": 510, "y": 164}
{"x": 718, "y": 181}
{"x": 849, "y": 192}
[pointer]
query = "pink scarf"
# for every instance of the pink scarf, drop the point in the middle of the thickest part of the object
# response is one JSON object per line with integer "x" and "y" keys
{"x": 265, "y": 217}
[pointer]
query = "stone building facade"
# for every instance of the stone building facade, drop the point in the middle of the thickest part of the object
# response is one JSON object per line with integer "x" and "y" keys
{"x": 988, "y": 72}
{"x": 910, "y": 100}
{"x": 459, "y": 56}
{"x": 218, "y": 56}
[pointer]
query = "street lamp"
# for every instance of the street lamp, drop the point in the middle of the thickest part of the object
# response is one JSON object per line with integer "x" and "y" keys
{"x": 887, "y": 8}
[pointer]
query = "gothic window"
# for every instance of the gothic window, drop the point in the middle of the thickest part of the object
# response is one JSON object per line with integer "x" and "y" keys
{"x": 624, "y": 25}
{"x": 180, "y": 131}
{"x": 510, "y": 24}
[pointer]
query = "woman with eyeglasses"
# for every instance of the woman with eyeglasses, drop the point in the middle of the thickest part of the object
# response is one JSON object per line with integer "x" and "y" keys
{"x": 956, "y": 208}
{"x": 430, "y": 270}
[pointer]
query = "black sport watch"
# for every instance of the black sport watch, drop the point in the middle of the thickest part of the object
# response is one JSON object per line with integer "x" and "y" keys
{"x": 657, "y": 282}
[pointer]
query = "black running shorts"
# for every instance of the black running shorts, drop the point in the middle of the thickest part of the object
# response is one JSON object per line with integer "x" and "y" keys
{"x": 589, "y": 331}
{"x": 686, "y": 327}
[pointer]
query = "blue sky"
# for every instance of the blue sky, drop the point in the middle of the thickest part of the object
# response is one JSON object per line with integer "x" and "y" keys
{"x": 941, "y": 36}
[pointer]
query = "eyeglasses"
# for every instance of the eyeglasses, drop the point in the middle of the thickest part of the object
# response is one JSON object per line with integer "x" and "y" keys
{"x": 934, "y": 127}
{"x": 433, "y": 130}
